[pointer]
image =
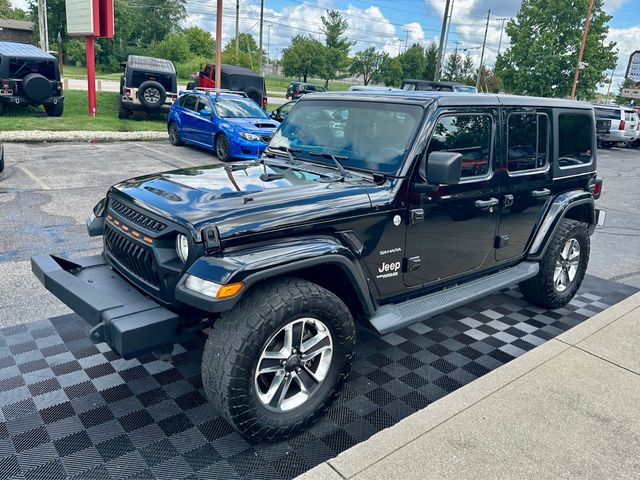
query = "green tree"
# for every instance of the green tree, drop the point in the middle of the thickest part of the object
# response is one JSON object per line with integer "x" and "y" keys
{"x": 545, "y": 41}
{"x": 413, "y": 62}
{"x": 174, "y": 47}
{"x": 366, "y": 63}
{"x": 12, "y": 13}
{"x": 247, "y": 52}
{"x": 200, "y": 42}
{"x": 390, "y": 71}
{"x": 453, "y": 68}
{"x": 336, "y": 55}
{"x": 431, "y": 59}
{"x": 304, "y": 57}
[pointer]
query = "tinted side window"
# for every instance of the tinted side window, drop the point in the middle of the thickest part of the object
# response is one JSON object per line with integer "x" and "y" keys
{"x": 203, "y": 103}
{"x": 190, "y": 102}
{"x": 527, "y": 141}
{"x": 469, "y": 135}
{"x": 574, "y": 142}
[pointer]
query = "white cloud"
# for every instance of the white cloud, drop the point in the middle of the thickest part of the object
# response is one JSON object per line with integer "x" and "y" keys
{"x": 628, "y": 41}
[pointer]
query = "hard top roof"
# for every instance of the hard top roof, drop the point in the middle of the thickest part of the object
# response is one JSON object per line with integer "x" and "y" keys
{"x": 23, "y": 50}
{"x": 235, "y": 70}
{"x": 449, "y": 99}
{"x": 433, "y": 82}
{"x": 151, "y": 64}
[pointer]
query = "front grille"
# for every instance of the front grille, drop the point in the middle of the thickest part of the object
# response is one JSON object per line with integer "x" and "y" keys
{"x": 138, "y": 218}
{"x": 131, "y": 256}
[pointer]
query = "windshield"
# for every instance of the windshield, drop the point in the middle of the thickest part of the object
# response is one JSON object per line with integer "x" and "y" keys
{"x": 373, "y": 136}
{"x": 238, "y": 108}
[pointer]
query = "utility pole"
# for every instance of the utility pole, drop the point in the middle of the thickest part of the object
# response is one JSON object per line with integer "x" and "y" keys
{"x": 42, "y": 23}
{"x": 446, "y": 37}
{"x": 237, "y": 29}
{"x": 484, "y": 43}
{"x": 406, "y": 38}
{"x": 610, "y": 82}
{"x": 443, "y": 33}
{"x": 501, "y": 31}
{"x": 219, "y": 46}
{"x": 584, "y": 40}
{"x": 268, "y": 41}
{"x": 260, "y": 46}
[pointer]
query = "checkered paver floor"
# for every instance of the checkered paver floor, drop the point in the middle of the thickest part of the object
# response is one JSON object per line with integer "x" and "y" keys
{"x": 71, "y": 409}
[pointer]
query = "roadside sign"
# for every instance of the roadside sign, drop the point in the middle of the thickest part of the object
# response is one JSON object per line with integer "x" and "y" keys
{"x": 83, "y": 19}
{"x": 631, "y": 92}
{"x": 633, "y": 69}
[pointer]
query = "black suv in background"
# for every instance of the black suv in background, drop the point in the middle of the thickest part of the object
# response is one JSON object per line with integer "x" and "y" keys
{"x": 148, "y": 84}
{"x": 30, "y": 76}
{"x": 296, "y": 89}
{"x": 400, "y": 206}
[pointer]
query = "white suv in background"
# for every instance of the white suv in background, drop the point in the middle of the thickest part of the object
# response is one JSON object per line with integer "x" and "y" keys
{"x": 616, "y": 125}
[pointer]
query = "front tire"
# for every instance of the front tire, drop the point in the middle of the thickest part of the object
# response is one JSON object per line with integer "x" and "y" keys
{"x": 222, "y": 148}
{"x": 562, "y": 268}
{"x": 272, "y": 364}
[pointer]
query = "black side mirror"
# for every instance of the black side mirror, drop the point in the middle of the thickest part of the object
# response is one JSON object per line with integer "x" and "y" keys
{"x": 123, "y": 66}
{"x": 444, "y": 168}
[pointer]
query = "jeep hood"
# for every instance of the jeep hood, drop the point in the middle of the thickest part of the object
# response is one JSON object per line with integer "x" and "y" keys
{"x": 241, "y": 198}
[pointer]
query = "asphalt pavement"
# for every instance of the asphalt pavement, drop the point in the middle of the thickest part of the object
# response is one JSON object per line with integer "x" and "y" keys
{"x": 48, "y": 190}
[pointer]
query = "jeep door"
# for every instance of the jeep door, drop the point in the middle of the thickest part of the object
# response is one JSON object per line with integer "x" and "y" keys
{"x": 451, "y": 231}
{"x": 526, "y": 178}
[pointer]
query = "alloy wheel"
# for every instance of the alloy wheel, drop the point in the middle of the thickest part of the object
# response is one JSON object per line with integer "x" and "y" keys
{"x": 293, "y": 364}
{"x": 152, "y": 95}
{"x": 567, "y": 265}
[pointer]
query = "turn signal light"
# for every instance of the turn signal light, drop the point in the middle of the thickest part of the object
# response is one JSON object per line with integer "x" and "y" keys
{"x": 230, "y": 290}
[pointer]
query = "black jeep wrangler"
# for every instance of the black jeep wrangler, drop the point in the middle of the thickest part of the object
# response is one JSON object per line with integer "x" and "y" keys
{"x": 148, "y": 84}
{"x": 400, "y": 207}
{"x": 30, "y": 76}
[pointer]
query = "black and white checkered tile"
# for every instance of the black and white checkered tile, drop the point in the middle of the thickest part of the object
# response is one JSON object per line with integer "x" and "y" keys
{"x": 71, "y": 409}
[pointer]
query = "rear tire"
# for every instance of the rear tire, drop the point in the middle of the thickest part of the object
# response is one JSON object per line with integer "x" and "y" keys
{"x": 174, "y": 135}
{"x": 123, "y": 112}
{"x": 222, "y": 148}
{"x": 1, "y": 108}
{"x": 607, "y": 145}
{"x": 562, "y": 268}
{"x": 191, "y": 86}
{"x": 250, "y": 338}
{"x": 54, "y": 110}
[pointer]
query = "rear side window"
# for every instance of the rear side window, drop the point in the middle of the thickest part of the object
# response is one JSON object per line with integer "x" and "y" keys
{"x": 607, "y": 113}
{"x": 189, "y": 102}
{"x": 527, "y": 141}
{"x": 574, "y": 139}
{"x": 469, "y": 135}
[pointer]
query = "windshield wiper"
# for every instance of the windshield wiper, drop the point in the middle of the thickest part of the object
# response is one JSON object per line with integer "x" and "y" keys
{"x": 289, "y": 151}
{"x": 331, "y": 156}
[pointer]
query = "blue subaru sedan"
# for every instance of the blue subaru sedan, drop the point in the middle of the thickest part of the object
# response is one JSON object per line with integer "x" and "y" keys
{"x": 231, "y": 125}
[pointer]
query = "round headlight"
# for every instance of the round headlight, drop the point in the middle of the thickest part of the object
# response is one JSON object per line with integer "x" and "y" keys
{"x": 182, "y": 248}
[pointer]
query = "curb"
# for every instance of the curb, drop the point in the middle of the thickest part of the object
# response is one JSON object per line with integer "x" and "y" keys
{"x": 363, "y": 455}
{"x": 79, "y": 136}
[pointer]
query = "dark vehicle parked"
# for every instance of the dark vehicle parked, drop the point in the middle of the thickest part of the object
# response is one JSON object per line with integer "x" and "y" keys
{"x": 280, "y": 113}
{"x": 430, "y": 86}
{"x": 148, "y": 84}
{"x": 296, "y": 89}
{"x": 30, "y": 76}
{"x": 397, "y": 207}
{"x": 238, "y": 79}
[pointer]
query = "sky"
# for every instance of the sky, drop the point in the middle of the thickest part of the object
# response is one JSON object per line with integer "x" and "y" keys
{"x": 392, "y": 25}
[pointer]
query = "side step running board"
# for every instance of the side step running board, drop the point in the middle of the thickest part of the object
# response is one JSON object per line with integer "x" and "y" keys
{"x": 396, "y": 316}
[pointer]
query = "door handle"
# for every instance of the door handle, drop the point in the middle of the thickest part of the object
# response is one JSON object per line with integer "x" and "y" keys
{"x": 492, "y": 202}
{"x": 545, "y": 192}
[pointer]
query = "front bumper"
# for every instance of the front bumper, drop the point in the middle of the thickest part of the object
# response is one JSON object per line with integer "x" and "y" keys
{"x": 118, "y": 314}
{"x": 246, "y": 149}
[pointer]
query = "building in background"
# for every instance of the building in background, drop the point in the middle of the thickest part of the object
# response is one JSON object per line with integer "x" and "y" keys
{"x": 16, "y": 30}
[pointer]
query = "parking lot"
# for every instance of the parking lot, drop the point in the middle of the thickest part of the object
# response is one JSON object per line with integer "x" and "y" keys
{"x": 48, "y": 190}
{"x": 72, "y": 407}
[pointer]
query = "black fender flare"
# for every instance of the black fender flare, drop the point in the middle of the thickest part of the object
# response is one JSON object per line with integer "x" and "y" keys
{"x": 262, "y": 262}
{"x": 558, "y": 209}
